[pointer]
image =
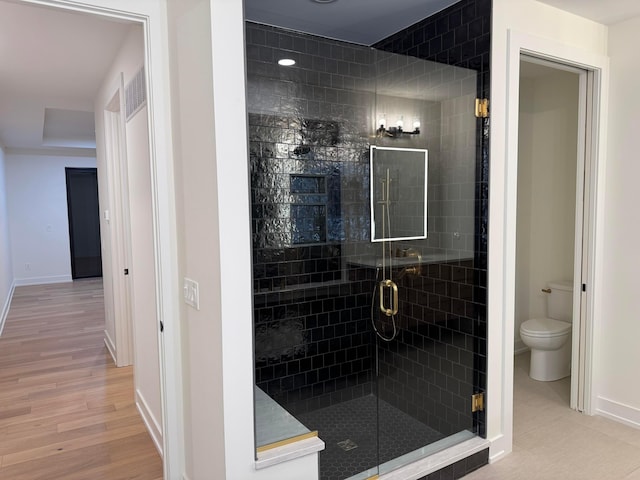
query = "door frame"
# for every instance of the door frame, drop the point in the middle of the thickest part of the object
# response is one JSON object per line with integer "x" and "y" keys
{"x": 153, "y": 18}
{"x": 121, "y": 349}
{"x": 582, "y": 239}
{"x": 531, "y": 45}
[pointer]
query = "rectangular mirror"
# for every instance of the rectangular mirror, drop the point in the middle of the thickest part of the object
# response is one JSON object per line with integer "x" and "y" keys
{"x": 398, "y": 179}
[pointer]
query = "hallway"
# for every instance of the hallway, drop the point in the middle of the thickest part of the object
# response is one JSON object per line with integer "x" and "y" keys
{"x": 66, "y": 411}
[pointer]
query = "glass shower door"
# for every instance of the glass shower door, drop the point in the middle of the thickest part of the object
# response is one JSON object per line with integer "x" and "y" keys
{"x": 425, "y": 351}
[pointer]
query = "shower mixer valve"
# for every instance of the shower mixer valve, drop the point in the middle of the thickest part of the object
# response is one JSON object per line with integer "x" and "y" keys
{"x": 415, "y": 270}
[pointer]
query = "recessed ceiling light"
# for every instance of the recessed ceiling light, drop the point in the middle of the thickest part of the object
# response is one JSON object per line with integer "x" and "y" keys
{"x": 323, "y": 1}
{"x": 286, "y": 62}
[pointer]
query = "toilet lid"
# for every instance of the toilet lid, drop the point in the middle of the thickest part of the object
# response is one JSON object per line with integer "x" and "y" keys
{"x": 545, "y": 327}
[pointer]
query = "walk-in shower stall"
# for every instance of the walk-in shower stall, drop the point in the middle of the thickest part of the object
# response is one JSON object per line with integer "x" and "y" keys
{"x": 368, "y": 184}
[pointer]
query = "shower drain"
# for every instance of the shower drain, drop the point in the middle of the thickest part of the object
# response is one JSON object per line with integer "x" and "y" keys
{"x": 347, "y": 445}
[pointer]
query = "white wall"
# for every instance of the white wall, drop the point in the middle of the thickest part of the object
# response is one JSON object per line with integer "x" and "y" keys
{"x": 38, "y": 218}
{"x": 207, "y": 53}
{"x": 6, "y": 264}
{"x": 619, "y": 329}
{"x": 189, "y": 34}
{"x": 141, "y": 263}
{"x": 547, "y": 156}
{"x": 145, "y": 318}
{"x": 541, "y": 28}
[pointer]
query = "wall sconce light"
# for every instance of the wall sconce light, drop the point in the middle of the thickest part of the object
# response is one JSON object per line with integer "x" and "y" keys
{"x": 398, "y": 130}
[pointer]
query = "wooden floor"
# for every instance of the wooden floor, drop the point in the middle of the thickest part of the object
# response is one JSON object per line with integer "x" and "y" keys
{"x": 66, "y": 411}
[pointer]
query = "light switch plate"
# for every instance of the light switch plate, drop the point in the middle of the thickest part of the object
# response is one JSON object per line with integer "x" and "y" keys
{"x": 191, "y": 293}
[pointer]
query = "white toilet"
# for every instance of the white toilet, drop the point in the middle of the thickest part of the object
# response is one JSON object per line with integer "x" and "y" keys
{"x": 550, "y": 338}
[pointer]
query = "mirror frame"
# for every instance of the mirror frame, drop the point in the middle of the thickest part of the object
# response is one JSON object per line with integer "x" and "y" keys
{"x": 425, "y": 152}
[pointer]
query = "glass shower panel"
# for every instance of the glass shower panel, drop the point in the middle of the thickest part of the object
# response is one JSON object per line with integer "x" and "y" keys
{"x": 309, "y": 128}
{"x": 425, "y": 351}
{"x": 377, "y": 385}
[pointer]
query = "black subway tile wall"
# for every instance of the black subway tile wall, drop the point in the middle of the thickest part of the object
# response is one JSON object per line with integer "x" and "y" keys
{"x": 460, "y": 35}
{"x": 428, "y": 371}
{"x": 309, "y": 168}
{"x": 313, "y": 345}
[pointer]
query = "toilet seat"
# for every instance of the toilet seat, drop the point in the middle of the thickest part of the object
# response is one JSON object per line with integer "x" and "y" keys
{"x": 545, "y": 327}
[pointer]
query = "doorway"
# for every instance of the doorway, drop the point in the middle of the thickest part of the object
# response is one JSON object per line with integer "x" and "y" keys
{"x": 84, "y": 222}
{"x": 552, "y": 200}
{"x": 150, "y": 16}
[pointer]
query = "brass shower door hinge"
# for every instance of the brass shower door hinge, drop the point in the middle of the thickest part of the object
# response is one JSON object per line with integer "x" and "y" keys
{"x": 477, "y": 402}
{"x": 482, "y": 107}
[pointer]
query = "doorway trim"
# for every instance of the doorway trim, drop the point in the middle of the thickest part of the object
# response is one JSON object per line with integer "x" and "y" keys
{"x": 153, "y": 18}
{"x": 121, "y": 347}
{"x": 522, "y": 43}
{"x": 581, "y": 232}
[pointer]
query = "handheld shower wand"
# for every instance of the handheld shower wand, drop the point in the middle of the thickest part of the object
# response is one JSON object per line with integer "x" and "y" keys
{"x": 386, "y": 284}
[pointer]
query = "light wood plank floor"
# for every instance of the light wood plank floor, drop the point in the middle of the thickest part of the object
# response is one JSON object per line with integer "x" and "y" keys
{"x": 66, "y": 411}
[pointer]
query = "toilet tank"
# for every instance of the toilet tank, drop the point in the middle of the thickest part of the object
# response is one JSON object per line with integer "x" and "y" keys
{"x": 560, "y": 301}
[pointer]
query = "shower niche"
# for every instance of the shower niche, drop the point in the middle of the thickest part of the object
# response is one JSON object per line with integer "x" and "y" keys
{"x": 337, "y": 207}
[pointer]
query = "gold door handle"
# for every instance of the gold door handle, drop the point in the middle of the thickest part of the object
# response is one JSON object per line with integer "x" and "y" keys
{"x": 546, "y": 290}
{"x": 394, "y": 300}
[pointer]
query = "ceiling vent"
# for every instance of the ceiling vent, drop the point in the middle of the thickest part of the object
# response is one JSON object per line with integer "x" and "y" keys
{"x": 135, "y": 94}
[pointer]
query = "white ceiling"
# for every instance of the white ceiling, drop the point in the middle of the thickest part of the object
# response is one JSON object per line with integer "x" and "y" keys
{"x": 52, "y": 63}
{"x": 56, "y": 60}
{"x": 601, "y": 11}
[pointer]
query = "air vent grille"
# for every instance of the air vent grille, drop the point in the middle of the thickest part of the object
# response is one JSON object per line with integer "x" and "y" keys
{"x": 135, "y": 94}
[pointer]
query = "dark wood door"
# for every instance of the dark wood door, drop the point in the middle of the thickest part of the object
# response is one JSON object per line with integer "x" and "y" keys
{"x": 84, "y": 222}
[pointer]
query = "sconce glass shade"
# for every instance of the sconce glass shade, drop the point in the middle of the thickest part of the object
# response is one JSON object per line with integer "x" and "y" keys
{"x": 397, "y": 130}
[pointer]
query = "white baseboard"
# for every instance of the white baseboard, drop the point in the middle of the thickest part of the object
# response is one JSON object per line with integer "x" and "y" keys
{"x": 6, "y": 306}
{"x": 150, "y": 421}
{"x": 618, "y": 411}
{"x": 184, "y": 477}
{"x": 111, "y": 346}
{"x": 500, "y": 447}
{"x": 22, "y": 282}
{"x": 519, "y": 347}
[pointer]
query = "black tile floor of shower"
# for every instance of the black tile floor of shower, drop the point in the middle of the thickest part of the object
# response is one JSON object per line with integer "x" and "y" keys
{"x": 350, "y": 433}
